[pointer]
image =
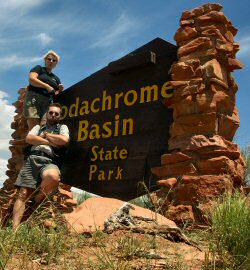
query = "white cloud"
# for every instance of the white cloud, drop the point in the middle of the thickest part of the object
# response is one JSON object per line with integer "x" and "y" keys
{"x": 3, "y": 168}
{"x": 14, "y": 60}
{"x": 17, "y": 4}
{"x": 120, "y": 29}
{"x": 7, "y": 113}
{"x": 244, "y": 46}
{"x": 44, "y": 38}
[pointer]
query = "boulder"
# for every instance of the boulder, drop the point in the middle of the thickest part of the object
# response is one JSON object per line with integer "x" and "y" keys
{"x": 92, "y": 214}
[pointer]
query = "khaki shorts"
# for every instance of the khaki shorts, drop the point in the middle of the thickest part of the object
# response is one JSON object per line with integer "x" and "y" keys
{"x": 31, "y": 172}
{"x": 35, "y": 105}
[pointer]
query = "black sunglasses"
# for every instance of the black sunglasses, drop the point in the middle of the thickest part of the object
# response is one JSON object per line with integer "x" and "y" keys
{"x": 55, "y": 113}
{"x": 51, "y": 59}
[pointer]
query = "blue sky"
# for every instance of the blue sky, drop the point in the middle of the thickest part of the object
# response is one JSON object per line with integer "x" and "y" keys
{"x": 90, "y": 34}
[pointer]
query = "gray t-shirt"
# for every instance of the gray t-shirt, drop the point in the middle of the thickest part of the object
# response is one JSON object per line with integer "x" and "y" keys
{"x": 47, "y": 148}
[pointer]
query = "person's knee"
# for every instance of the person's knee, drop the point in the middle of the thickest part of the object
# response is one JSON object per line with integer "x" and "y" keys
{"x": 24, "y": 194}
{"x": 52, "y": 175}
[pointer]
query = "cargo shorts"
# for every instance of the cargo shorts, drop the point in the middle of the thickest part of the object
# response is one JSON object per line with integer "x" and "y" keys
{"x": 31, "y": 172}
{"x": 36, "y": 105}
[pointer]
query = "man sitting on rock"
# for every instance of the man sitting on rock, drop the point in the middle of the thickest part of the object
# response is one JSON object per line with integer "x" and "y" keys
{"x": 41, "y": 165}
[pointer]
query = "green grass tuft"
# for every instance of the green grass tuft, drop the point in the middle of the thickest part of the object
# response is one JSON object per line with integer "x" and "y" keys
{"x": 231, "y": 230}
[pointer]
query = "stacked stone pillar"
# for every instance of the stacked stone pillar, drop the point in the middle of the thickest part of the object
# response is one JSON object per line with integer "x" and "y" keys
{"x": 204, "y": 162}
{"x": 17, "y": 144}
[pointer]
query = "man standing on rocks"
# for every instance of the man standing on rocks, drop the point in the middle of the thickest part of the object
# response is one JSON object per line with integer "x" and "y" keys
{"x": 41, "y": 166}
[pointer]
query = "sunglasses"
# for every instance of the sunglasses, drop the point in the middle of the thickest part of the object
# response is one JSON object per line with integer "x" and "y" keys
{"x": 55, "y": 113}
{"x": 51, "y": 60}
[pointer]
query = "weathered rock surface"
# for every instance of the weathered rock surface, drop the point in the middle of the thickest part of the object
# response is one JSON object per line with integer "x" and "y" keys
{"x": 204, "y": 161}
{"x": 92, "y": 214}
{"x": 109, "y": 215}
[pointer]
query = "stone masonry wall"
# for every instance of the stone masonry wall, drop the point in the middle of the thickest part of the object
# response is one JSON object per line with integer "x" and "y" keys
{"x": 204, "y": 162}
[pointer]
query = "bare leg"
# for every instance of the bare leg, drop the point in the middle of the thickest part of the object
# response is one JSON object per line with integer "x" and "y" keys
{"x": 43, "y": 120}
{"x": 19, "y": 206}
{"x": 33, "y": 122}
{"x": 50, "y": 181}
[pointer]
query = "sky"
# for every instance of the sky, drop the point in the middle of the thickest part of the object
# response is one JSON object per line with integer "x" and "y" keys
{"x": 88, "y": 34}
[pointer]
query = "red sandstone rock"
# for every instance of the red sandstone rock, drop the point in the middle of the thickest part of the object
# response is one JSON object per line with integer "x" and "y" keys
{"x": 185, "y": 33}
{"x": 176, "y": 84}
{"x": 222, "y": 28}
{"x": 213, "y": 152}
{"x": 194, "y": 86}
{"x": 229, "y": 36}
{"x": 199, "y": 143}
{"x": 236, "y": 46}
{"x": 200, "y": 11}
{"x": 204, "y": 54}
{"x": 174, "y": 158}
{"x": 213, "y": 16}
{"x": 180, "y": 214}
{"x": 234, "y": 64}
{"x": 192, "y": 13}
{"x": 91, "y": 215}
{"x": 210, "y": 7}
{"x": 218, "y": 101}
{"x": 208, "y": 32}
{"x": 200, "y": 189}
{"x": 172, "y": 170}
{"x": 217, "y": 83}
{"x": 224, "y": 166}
{"x": 228, "y": 126}
{"x": 184, "y": 23}
{"x": 170, "y": 182}
{"x": 200, "y": 43}
{"x": 183, "y": 71}
{"x": 233, "y": 87}
{"x": 225, "y": 47}
{"x": 194, "y": 123}
{"x": 216, "y": 166}
{"x": 213, "y": 69}
{"x": 232, "y": 29}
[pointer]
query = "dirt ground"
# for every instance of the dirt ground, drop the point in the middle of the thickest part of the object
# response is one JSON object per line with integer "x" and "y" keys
{"x": 121, "y": 250}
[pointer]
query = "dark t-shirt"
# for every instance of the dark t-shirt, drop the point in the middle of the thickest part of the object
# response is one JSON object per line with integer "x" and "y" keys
{"x": 49, "y": 78}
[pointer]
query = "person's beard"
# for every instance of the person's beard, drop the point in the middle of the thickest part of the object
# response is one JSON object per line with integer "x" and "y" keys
{"x": 52, "y": 122}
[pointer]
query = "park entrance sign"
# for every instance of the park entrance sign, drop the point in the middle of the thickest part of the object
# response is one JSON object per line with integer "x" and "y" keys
{"x": 119, "y": 126}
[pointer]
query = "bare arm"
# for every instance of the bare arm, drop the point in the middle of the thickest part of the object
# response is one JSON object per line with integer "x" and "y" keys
{"x": 33, "y": 79}
{"x": 36, "y": 140}
{"x": 57, "y": 139}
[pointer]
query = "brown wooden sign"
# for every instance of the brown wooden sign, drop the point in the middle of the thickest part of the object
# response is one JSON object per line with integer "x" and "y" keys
{"x": 119, "y": 126}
